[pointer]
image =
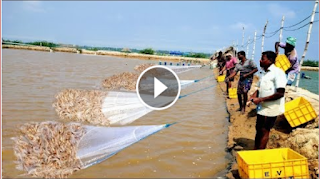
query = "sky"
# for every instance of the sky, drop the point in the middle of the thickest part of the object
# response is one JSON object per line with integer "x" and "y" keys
{"x": 203, "y": 26}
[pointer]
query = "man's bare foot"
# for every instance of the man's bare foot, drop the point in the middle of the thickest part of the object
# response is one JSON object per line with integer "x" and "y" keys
{"x": 243, "y": 111}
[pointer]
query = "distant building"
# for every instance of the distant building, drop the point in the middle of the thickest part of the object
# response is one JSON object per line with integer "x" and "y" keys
{"x": 176, "y": 53}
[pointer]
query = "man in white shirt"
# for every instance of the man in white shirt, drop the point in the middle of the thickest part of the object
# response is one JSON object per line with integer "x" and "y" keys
{"x": 269, "y": 98}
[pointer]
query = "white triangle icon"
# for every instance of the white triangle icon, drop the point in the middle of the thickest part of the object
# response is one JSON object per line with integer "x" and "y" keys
{"x": 158, "y": 87}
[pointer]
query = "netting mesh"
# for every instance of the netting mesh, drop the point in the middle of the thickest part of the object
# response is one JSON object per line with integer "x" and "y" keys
{"x": 122, "y": 81}
{"x": 56, "y": 150}
{"x": 181, "y": 69}
{"x": 48, "y": 149}
{"x": 100, "y": 143}
{"x": 81, "y": 105}
{"x": 123, "y": 107}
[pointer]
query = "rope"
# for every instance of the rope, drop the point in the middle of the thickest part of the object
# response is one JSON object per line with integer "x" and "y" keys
{"x": 297, "y": 23}
{"x": 301, "y": 26}
{"x": 273, "y": 34}
{"x": 287, "y": 27}
{"x": 202, "y": 78}
{"x": 182, "y": 96}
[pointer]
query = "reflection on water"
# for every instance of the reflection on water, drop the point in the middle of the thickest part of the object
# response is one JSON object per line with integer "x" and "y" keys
{"x": 194, "y": 147}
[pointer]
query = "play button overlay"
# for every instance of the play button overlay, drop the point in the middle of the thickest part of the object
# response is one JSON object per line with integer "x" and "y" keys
{"x": 158, "y": 87}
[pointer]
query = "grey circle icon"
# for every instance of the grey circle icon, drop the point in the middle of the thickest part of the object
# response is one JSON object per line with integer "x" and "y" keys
{"x": 158, "y": 87}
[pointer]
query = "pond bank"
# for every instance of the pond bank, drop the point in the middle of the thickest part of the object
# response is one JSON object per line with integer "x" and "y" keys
{"x": 111, "y": 53}
{"x": 242, "y": 131}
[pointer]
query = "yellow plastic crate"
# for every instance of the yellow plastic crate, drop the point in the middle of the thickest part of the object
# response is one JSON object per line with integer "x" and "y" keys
{"x": 299, "y": 111}
{"x": 221, "y": 78}
{"x": 283, "y": 62}
{"x": 272, "y": 163}
{"x": 233, "y": 93}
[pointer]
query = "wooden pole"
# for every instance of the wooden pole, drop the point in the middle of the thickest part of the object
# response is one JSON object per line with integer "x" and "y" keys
{"x": 307, "y": 42}
{"x": 247, "y": 53}
{"x": 254, "y": 45}
{"x": 263, "y": 34}
{"x": 281, "y": 28}
{"x": 242, "y": 47}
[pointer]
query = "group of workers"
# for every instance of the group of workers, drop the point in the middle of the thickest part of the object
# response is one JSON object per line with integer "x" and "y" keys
{"x": 269, "y": 96}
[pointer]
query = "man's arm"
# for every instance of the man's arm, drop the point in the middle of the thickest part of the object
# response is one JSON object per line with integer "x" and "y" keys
{"x": 276, "y": 47}
{"x": 223, "y": 69}
{"x": 254, "y": 95}
{"x": 250, "y": 73}
{"x": 277, "y": 95}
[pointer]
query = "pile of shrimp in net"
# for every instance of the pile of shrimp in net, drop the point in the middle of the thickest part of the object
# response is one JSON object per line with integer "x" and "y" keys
{"x": 48, "y": 149}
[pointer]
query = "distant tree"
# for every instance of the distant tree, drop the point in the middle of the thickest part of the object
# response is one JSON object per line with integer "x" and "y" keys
{"x": 149, "y": 51}
{"x": 310, "y": 63}
{"x": 197, "y": 55}
{"x": 43, "y": 43}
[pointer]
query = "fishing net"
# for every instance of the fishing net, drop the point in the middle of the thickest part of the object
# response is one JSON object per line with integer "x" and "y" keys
{"x": 127, "y": 81}
{"x": 141, "y": 68}
{"x": 186, "y": 83}
{"x": 99, "y": 107}
{"x": 48, "y": 149}
{"x": 182, "y": 69}
{"x": 56, "y": 150}
{"x": 93, "y": 149}
{"x": 123, "y": 107}
{"x": 81, "y": 105}
{"x": 122, "y": 81}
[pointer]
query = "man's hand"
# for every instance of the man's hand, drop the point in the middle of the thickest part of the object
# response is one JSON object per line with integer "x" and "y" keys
{"x": 221, "y": 72}
{"x": 226, "y": 80}
{"x": 245, "y": 76}
{"x": 256, "y": 100}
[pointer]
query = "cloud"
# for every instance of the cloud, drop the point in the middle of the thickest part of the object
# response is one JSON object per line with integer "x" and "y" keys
{"x": 278, "y": 11}
{"x": 33, "y": 6}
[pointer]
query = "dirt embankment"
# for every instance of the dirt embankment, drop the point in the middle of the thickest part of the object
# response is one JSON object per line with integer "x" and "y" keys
{"x": 37, "y": 48}
{"x": 112, "y": 53}
{"x": 310, "y": 68}
{"x": 304, "y": 139}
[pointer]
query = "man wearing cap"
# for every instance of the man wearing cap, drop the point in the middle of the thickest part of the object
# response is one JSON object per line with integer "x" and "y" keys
{"x": 291, "y": 53}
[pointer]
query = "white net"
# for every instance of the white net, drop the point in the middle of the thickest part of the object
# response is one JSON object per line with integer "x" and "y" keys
{"x": 56, "y": 150}
{"x": 186, "y": 83}
{"x": 123, "y": 107}
{"x": 181, "y": 69}
{"x": 100, "y": 143}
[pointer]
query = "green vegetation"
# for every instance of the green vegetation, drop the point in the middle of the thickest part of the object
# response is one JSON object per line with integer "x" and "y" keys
{"x": 37, "y": 43}
{"x": 198, "y": 55}
{"x": 311, "y": 63}
{"x": 43, "y": 43}
{"x": 149, "y": 51}
{"x": 12, "y": 41}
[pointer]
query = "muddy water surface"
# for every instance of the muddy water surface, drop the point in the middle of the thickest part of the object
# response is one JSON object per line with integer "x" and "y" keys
{"x": 194, "y": 147}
